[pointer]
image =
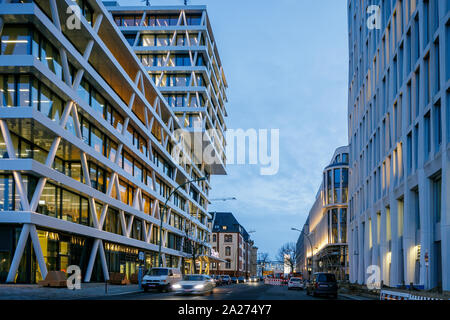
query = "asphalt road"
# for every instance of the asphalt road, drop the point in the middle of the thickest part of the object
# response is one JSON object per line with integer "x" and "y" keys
{"x": 247, "y": 291}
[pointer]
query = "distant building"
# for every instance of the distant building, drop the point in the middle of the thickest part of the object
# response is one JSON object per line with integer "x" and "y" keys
{"x": 270, "y": 268}
{"x": 322, "y": 244}
{"x": 233, "y": 244}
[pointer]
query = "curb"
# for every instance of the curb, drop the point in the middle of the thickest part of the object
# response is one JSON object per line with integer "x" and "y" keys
{"x": 352, "y": 297}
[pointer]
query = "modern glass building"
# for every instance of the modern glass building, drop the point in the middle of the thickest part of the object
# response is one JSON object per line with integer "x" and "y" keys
{"x": 322, "y": 244}
{"x": 399, "y": 134}
{"x": 87, "y": 151}
{"x": 176, "y": 45}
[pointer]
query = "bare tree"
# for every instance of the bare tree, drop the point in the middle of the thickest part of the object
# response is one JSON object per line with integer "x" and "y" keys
{"x": 192, "y": 246}
{"x": 263, "y": 259}
{"x": 287, "y": 254}
{"x": 147, "y": 2}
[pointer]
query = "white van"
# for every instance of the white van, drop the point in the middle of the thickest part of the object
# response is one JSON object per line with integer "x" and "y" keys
{"x": 161, "y": 278}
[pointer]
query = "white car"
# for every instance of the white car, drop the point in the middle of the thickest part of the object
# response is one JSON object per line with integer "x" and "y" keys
{"x": 295, "y": 283}
{"x": 194, "y": 284}
{"x": 161, "y": 278}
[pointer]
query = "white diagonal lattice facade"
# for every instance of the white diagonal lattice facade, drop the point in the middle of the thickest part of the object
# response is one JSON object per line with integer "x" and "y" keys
{"x": 87, "y": 150}
{"x": 177, "y": 47}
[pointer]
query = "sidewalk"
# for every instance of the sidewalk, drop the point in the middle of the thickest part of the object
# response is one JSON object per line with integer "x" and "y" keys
{"x": 358, "y": 297}
{"x": 87, "y": 291}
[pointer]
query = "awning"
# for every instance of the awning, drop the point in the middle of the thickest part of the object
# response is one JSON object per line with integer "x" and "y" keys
{"x": 211, "y": 259}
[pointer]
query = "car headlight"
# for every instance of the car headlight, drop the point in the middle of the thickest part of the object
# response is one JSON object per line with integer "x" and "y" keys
{"x": 176, "y": 286}
{"x": 199, "y": 286}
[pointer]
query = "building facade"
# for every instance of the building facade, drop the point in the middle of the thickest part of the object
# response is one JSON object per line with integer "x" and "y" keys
{"x": 398, "y": 120}
{"x": 233, "y": 244}
{"x": 272, "y": 268}
{"x": 89, "y": 151}
{"x": 322, "y": 244}
{"x": 176, "y": 45}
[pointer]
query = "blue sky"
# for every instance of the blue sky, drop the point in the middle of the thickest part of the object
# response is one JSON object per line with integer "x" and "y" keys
{"x": 286, "y": 62}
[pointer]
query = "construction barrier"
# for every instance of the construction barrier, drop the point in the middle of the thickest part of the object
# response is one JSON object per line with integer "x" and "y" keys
{"x": 276, "y": 282}
{"x": 394, "y": 295}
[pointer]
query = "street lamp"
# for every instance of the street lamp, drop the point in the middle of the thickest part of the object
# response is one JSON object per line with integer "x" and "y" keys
{"x": 165, "y": 209}
{"x": 215, "y": 212}
{"x": 312, "y": 250}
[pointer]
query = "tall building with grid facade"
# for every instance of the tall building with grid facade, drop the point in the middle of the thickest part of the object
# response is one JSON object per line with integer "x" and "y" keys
{"x": 88, "y": 151}
{"x": 399, "y": 134}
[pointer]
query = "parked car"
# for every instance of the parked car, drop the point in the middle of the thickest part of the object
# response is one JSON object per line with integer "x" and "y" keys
{"x": 323, "y": 284}
{"x": 217, "y": 280}
{"x": 160, "y": 278}
{"x": 295, "y": 283}
{"x": 234, "y": 280}
{"x": 194, "y": 284}
{"x": 241, "y": 280}
{"x": 226, "y": 279}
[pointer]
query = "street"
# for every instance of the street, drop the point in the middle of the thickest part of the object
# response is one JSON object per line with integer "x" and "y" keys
{"x": 247, "y": 291}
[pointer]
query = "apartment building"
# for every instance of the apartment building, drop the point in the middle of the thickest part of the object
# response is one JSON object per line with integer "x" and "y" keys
{"x": 233, "y": 244}
{"x": 398, "y": 130}
{"x": 177, "y": 47}
{"x": 322, "y": 244}
{"x": 89, "y": 150}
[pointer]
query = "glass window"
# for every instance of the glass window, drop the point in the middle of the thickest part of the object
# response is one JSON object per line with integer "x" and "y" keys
{"x": 162, "y": 40}
{"x": 48, "y": 203}
{"x": 98, "y": 102}
{"x": 96, "y": 141}
{"x": 148, "y": 40}
{"x": 50, "y": 56}
{"x": 128, "y": 163}
{"x": 8, "y": 89}
{"x": 6, "y": 193}
{"x": 138, "y": 171}
{"x": 83, "y": 91}
{"x": 84, "y": 212}
{"x": 24, "y": 91}
{"x": 123, "y": 191}
{"x": 45, "y": 100}
{"x": 15, "y": 40}
{"x": 70, "y": 207}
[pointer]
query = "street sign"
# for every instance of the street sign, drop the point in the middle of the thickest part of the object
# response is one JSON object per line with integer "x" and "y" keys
{"x": 141, "y": 256}
{"x": 426, "y": 258}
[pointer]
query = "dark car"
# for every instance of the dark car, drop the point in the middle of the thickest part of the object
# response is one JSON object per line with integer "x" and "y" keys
{"x": 241, "y": 280}
{"x": 218, "y": 280}
{"x": 322, "y": 284}
{"x": 234, "y": 280}
{"x": 226, "y": 279}
{"x": 261, "y": 278}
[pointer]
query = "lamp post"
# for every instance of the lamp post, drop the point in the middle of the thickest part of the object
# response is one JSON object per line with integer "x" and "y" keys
{"x": 312, "y": 249}
{"x": 164, "y": 211}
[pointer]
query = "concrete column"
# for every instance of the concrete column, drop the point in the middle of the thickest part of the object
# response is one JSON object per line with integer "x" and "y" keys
{"x": 375, "y": 245}
{"x": 395, "y": 247}
{"x": 384, "y": 248}
{"x": 361, "y": 253}
{"x": 18, "y": 253}
{"x": 426, "y": 228}
{"x": 445, "y": 219}
{"x": 409, "y": 237}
